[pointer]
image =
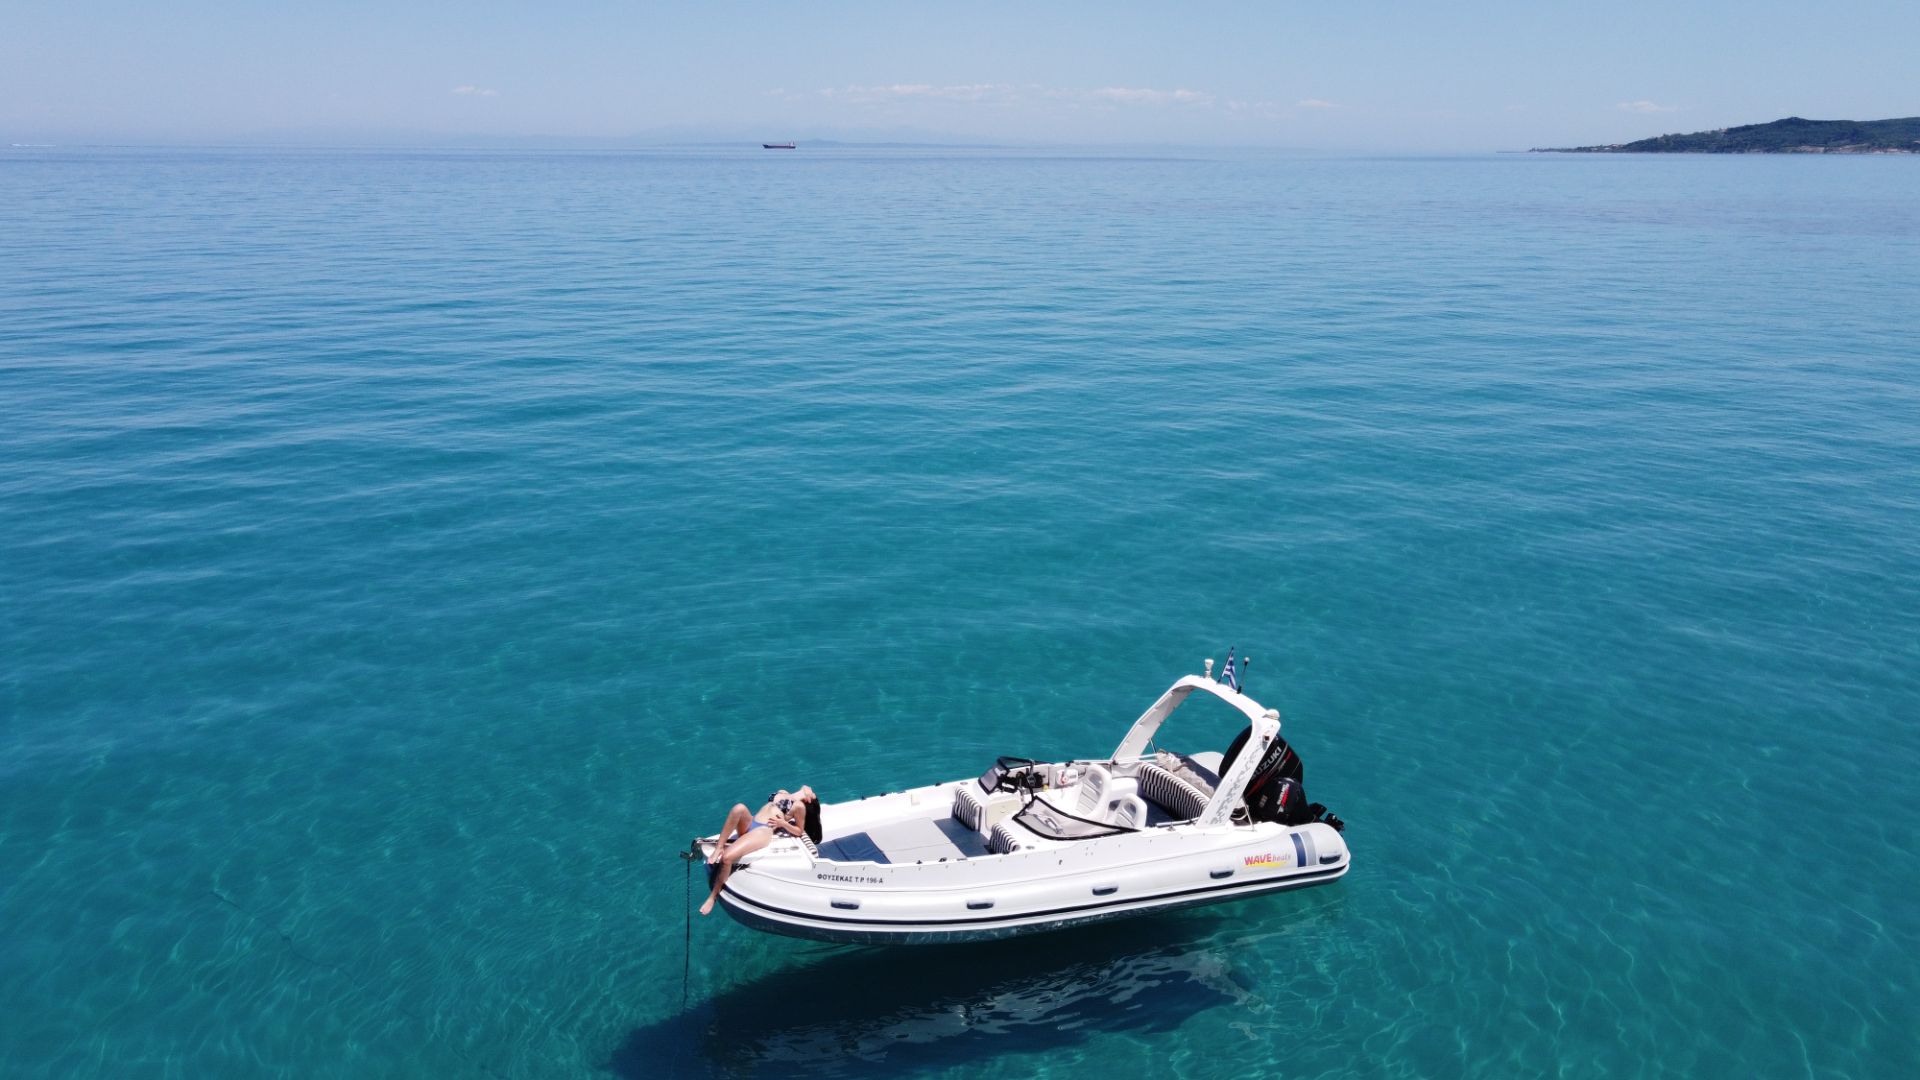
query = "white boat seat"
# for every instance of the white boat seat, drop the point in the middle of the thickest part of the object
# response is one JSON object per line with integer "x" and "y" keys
{"x": 1130, "y": 813}
{"x": 970, "y": 806}
{"x": 1090, "y": 800}
{"x": 978, "y": 810}
{"x": 1122, "y": 804}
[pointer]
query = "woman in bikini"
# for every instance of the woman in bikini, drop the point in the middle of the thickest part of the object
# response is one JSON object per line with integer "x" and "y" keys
{"x": 787, "y": 813}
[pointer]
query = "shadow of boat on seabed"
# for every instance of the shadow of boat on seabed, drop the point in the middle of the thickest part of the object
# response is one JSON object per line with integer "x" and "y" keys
{"x": 879, "y": 1011}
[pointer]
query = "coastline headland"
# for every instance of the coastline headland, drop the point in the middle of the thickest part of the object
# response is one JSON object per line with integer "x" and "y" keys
{"x": 1792, "y": 135}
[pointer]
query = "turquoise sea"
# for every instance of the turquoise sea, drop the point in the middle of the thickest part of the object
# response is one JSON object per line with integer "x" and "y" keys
{"x": 403, "y": 554}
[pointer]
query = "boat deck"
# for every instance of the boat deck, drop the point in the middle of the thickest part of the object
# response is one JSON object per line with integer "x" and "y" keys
{"x": 915, "y": 840}
{"x": 927, "y": 831}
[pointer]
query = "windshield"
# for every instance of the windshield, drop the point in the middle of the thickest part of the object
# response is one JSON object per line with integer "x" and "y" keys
{"x": 1042, "y": 818}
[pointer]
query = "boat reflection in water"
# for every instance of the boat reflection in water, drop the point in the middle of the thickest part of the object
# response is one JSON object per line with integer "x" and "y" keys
{"x": 870, "y": 1011}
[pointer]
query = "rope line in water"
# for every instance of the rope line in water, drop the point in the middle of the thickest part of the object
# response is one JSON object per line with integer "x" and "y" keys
{"x": 691, "y": 855}
{"x": 686, "y": 946}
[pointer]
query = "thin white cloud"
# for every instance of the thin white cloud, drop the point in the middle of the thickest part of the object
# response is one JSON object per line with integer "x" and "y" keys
{"x": 470, "y": 90}
{"x": 1005, "y": 93}
{"x": 1315, "y": 103}
{"x": 964, "y": 92}
{"x": 1126, "y": 95}
{"x": 973, "y": 92}
{"x": 1645, "y": 106}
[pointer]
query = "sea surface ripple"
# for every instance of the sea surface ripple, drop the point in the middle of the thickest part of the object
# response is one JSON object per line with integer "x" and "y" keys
{"x": 403, "y": 554}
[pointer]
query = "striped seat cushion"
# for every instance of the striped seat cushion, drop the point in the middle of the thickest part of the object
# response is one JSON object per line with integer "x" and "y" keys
{"x": 1181, "y": 799}
{"x": 1001, "y": 841}
{"x": 969, "y": 806}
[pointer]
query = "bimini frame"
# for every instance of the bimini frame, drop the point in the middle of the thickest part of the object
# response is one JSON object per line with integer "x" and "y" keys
{"x": 1266, "y": 728}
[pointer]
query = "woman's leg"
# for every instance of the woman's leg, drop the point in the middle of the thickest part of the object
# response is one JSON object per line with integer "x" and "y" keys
{"x": 748, "y": 843}
{"x": 738, "y": 820}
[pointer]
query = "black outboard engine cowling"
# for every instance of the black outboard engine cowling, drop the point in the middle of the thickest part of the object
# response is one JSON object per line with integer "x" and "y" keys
{"x": 1284, "y": 800}
{"x": 1278, "y": 789}
{"x": 1279, "y": 758}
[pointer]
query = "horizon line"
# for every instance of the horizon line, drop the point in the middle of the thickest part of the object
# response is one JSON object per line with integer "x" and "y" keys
{"x": 628, "y": 144}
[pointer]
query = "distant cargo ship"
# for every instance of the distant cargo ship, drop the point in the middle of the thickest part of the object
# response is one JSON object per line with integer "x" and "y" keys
{"x": 778, "y": 146}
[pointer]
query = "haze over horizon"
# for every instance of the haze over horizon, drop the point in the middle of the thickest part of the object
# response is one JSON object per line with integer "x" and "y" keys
{"x": 1502, "y": 76}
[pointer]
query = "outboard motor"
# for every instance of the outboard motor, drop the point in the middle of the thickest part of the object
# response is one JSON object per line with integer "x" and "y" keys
{"x": 1277, "y": 790}
{"x": 1278, "y": 762}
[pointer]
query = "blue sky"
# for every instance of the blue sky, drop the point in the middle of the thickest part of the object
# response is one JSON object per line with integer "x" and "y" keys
{"x": 1385, "y": 75}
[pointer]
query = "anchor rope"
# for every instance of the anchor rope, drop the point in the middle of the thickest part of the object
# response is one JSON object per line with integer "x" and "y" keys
{"x": 686, "y": 945}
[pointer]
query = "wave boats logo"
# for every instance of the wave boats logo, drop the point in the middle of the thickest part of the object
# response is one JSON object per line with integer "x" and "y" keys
{"x": 1268, "y": 861}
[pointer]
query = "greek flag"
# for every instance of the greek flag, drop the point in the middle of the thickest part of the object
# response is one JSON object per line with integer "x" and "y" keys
{"x": 1227, "y": 676}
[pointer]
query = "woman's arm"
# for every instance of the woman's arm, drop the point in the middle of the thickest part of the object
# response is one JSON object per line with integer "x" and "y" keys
{"x": 795, "y": 822}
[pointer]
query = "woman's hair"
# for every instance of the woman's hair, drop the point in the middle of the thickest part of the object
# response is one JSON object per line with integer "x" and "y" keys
{"x": 812, "y": 823}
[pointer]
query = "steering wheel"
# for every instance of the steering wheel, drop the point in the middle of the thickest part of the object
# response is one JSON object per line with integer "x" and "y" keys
{"x": 1009, "y": 782}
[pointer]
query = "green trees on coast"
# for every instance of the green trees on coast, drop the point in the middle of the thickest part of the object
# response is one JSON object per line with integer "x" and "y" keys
{"x": 1792, "y": 135}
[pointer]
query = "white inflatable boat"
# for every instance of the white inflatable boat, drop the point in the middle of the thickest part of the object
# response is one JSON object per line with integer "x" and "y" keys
{"x": 1033, "y": 846}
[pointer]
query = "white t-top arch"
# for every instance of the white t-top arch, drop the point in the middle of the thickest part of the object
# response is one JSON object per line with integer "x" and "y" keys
{"x": 1266, "y": 728}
